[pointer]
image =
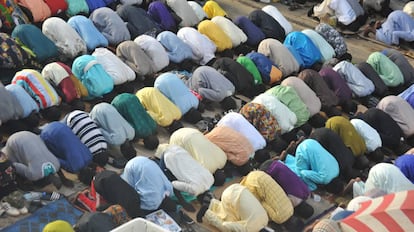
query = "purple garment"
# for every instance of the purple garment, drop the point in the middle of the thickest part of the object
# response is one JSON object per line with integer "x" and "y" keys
{"x": 410, "y": 99}
{"x": 288, "y": 180}
{"x": 406, "y": 164}
{"x": 336, "y": 83}
{"x": 254, "y": 33}
{"x": 159, "y": 12}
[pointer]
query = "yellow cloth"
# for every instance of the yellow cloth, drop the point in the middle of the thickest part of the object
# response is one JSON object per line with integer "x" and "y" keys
{"x": 58, "y": 226}
{"x": 81, "y": 90}
{"x": 269, "y": 193}
{"x": 161, "y": 109}
{"x": 201, "y": 149}
{"x": 238, "y": 211}
{"x": 212, "y": 9}
{"x": 348, "y": 134}
{"x": 215, "y": 34}
{"x": 236, "y": 146}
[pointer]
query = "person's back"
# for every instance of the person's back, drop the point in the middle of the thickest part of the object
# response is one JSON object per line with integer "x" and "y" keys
{"x": 398, "y": 26}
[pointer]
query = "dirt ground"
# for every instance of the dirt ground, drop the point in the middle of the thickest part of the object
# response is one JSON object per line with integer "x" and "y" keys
{"x": 359, "y": 47}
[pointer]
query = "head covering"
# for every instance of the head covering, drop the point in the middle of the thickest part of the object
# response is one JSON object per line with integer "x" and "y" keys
{"x": 261, "y": 119}
{"x": 275, "y": 13}
{"x": 184, "y": 11}
{"x": 154, "y": 50}
{"x": 387, "y": 70}
{"x": 58, "y": 226}
{"x": 333, "y": 37}
{"x": 88, "y": 32}
{"x": 213, "y": 9}
{"x": 159, "y": 12}
{"x": 388, "y": 178}
{"x": 380, "y": 88}
{"x": 270, "y": 73}
{"x": 236, "y": 35}
{"x": 13, "y": 110}
{"x": 327, "y": 51}
{"x": 270, "y": 27}
{"x": 401, "y": 61}
{"x": 327, "y": 225}
{"x": 304, "y": 46}
{"x": 177, "y": 50}
{"x": 202, "y": 47}
{"x": 336, "y": 83}
{"x": 360, "y": 85}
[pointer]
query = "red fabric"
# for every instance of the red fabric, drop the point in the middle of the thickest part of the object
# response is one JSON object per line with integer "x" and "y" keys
{"x": 392, "y": 212}
{"x": 56, "y": 6}
{"x": 67, "y": 86}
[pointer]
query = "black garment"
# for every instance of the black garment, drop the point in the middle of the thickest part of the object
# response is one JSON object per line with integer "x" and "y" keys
{"x": 387, "y": 128}
{"x": 8, "y": 182}
{"x": 380, "y": 88}
{"x": 116, "y": 191}
{"x": 355, "y": 25}
{"x": 138, "y": 21}
{"x": 270, "y": 27}
{"x": 334, "y": 145}
{"x": 97, "y": 221}
{"x": 314, "y": 80}
{"x": 242, "y": 79}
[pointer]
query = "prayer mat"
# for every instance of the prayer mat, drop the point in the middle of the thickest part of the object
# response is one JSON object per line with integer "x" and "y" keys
{"x": 60, "y": 209}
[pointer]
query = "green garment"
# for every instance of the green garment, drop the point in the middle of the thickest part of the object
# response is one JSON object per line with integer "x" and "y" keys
{"x": 289, "y": 97}
{"x": 348, "y": 134}
{"x": 129, "y": 106}
{"x": 389, "y": 72}
{"x": 251, "y": 67}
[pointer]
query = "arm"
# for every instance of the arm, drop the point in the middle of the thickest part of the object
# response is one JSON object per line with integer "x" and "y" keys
{"x": 25, "y": 171}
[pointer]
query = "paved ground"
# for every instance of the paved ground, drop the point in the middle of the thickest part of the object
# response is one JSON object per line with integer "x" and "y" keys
{"x": 360, "y": 48}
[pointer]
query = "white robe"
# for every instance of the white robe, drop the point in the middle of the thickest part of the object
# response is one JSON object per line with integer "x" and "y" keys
{"x": 118, "y": 70}
{"x": 66, "y": 39}
{"x": 191, "y": 176}
{"x": 236, "y": 35}
{"x": 203, "y": 48}
{"x": 369, "y": 134}
{"x": 154, "y": 50}
{"x": 237, "y": 122}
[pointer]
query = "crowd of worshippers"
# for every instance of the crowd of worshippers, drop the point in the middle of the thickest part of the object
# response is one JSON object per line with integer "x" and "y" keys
{"x": 149, "y": 65}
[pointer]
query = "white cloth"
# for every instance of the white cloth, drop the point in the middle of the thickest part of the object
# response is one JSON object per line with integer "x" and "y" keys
{"x": 55, "y": 73}
{"x": 198, "y": 10}
{"x": 388, "y": 178}
{"x": 66, "y": 39}
{"x": 118, "y": 70}
{"x": 340, "y": 8}
{"x": 369, "y": 134}
{"x": 284, "y": 116}
{"x": 360, "y": 85}
{"x": 203, "y": 48}
{"x": 237, "y": 122}
{"x": 154, "y": 50}
{"x": 191, "y": 176}
{"x": 184, "y": 11}
{"x": 275, "y": 13}
{"x": 236, "y": 35}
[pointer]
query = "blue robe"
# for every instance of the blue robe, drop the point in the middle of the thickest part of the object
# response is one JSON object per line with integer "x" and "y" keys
{"x": 88, "y": 32}
{"x": 72, "y": 154}
{"x": 176, "y": 91}
{"x": 313, "y": 164}
{"x": 148, "y": 180}
{"x": 307, "y": 50}
{"x": 177, "y": 50}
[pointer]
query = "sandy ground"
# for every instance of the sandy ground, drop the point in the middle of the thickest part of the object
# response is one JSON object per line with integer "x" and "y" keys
{"x": 360, "y": 48}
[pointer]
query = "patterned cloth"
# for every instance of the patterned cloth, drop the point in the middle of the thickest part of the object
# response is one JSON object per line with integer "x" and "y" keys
{"x": 261, "y": 119}
{"x": 333, "y": 37}
{"x": 119, "y": 215}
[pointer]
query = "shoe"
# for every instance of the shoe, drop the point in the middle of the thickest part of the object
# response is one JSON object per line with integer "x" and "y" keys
{"x": 32, "y": 196}
{"x": 9, "y": 210}
{"x": 117, "y": 162}
{"x": 53, "y": 196}
{"x": 23, "y": 210}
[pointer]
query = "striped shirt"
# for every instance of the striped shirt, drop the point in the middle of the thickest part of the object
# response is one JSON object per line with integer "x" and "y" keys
{"x": 87, "y": 131}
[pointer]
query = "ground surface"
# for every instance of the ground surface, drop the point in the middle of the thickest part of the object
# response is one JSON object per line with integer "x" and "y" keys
{"x": 359, "y": 47}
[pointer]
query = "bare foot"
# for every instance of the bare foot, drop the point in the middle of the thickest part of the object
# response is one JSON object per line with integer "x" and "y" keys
{"x": 283, "y": 155}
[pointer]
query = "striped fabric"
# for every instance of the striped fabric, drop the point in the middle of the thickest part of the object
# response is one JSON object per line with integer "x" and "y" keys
{"x": 37, "y": 87}
{"x": 87, "y": 131}
{"x": 392, "y": 212}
